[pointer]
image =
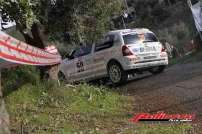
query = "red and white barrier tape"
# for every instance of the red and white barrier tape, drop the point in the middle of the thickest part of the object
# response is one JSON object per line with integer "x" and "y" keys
{"x": 15, "y": 51}
{"x": 51, "y": 49}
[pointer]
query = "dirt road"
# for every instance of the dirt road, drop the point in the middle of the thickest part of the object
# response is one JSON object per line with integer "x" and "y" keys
{"x": 177, "y": 90}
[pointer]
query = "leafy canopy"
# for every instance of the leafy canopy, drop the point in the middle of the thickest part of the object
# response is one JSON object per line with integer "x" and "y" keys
{"x": 81, "y": 20}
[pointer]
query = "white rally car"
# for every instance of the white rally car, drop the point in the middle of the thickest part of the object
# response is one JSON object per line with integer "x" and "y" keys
{"x": 123, "y": 52}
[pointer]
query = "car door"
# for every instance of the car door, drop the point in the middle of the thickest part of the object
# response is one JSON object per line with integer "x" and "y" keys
{"x": 83, "y": 62}
{"x": 102, "y": 52}
{"x": 67, "y": 67}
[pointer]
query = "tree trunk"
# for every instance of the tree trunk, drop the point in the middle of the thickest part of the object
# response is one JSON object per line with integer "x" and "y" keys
{"x": 53, "y": 72}
{"x": 4, "y": 117}
{"x": 40, "y": 39}
{"x": 36, "y": 39}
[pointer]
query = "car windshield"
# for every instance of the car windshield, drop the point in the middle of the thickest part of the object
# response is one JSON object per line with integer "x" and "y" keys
{"x": 134, "y": 38}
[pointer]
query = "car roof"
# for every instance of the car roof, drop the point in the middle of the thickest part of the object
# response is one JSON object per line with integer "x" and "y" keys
{"x": 128, "y": 31}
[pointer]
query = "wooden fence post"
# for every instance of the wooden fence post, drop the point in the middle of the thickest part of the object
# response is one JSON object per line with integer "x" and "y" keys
{"x": 4, "y": 117}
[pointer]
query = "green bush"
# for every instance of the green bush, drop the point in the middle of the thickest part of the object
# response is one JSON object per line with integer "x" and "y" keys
{"x": 178, "y": 35}
{"x": 44, "y": 106}
{"x": 14, "y": 78}
{"x": 173, "y": 23}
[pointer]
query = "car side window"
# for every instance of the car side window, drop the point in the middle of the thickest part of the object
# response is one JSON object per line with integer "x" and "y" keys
{"x": 117, "y": 40}
{"x": 77, "y": 53}
{"x": 107, "y": 43}
{"x": 82, "y": 51}
{"x": 86, "y": 50}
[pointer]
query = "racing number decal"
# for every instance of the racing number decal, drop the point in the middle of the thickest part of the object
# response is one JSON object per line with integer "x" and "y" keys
{"x": 80, "y": 66}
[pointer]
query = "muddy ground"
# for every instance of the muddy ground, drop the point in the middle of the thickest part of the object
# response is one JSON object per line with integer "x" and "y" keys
{"x": 176, "y": 91}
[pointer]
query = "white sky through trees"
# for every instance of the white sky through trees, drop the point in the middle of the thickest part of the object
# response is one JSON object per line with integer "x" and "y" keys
{"x": 9, "y": 24}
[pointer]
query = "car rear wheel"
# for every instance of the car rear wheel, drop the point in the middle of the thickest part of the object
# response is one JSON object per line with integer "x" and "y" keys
{"x": 157, "y": 70}
{"x": 116, "y": 74}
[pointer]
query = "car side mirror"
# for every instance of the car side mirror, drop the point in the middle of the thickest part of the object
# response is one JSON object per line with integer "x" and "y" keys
{"x": 68, "y": 56}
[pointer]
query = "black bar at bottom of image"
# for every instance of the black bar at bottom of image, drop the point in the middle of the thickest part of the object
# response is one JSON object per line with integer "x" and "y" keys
{"x": 154, "y": 120}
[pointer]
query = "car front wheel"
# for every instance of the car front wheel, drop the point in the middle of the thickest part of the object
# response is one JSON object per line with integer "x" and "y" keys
{"x": 116, "y": 74}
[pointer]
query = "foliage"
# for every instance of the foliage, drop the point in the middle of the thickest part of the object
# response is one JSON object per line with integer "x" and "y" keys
{"x": 84, "y": 20}
{"x": 150, "y": 13}
{"x": 20, "y": 11}
{"x": 14, "y": 78}
{"x": 77, "y": 20}
{"x": 51, "y": 109}
{"x": 171, "y": 22}
{"x": 178, "y": 35}
{"x": 191, "y": 58}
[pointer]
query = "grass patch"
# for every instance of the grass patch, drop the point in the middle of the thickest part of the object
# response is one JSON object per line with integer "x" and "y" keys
{"x": 46, "y": 108}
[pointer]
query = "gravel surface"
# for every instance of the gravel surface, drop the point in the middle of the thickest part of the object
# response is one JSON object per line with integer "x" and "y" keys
{"x": 176, "y": 91}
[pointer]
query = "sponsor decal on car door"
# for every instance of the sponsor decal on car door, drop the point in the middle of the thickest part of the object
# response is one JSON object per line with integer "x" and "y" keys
{"x": 84, "y": 64}
{"x": 79, "y": 68}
